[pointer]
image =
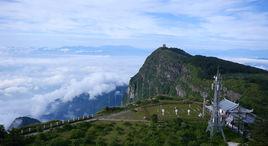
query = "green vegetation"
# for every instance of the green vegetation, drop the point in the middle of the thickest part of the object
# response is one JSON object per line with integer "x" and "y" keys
{"x": 170, "y": 78}
{"x": 209, "y": 65}
{"x": 13, "y": 138}
{"x": 174, "y": 73}
{"x": 109, "y": 110}
{"x": 170, "y": 129}
{"x": 171, "y": 72}
{"x": 260, "y": 133}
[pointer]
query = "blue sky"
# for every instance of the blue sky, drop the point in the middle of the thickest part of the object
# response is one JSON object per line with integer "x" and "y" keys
{"x": 38, "y": 63}
{"x": 199, "y": 24}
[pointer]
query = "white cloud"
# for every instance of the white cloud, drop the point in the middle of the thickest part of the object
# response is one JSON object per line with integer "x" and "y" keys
{"x": 11, "y": 90}
{"x": 28, "y": 84}
{"x": 224, "y": 24}
{"x": 259, "y": 63}
{"x": 11, "y": 82}
{"x": 210, "y": 24}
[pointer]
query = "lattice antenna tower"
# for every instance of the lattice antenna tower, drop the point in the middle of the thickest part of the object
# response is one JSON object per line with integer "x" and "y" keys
{"x": 215, "y": 124}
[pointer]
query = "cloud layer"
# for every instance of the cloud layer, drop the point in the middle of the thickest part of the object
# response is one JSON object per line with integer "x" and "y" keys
{"x": 259, "y": 63}
{"x": 35, "y": 77}
{"x": 211, "y": 24}
{"x": 29, "y": 83}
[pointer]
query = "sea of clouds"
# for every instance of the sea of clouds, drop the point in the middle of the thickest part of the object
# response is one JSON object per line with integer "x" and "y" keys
{"x": 30, "y": 78}
{"x": 261, "y": 63}
{"x": 28, "y": 83}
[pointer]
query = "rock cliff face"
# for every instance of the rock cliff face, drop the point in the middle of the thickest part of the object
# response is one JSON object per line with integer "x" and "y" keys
{"x": 175, "y": 73}
{"x": 160, "y": 73}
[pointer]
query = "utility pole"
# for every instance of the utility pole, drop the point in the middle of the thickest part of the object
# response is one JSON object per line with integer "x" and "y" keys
{"x": 204, "y": 104}
{"x": 203, "y": 110}
{"x": 149, "y": 88}
{"x": 109, "y": 102}
{"x": 141, "y": 89}
{"x": 215, "y": 123}
{"x": 115, "y": 104}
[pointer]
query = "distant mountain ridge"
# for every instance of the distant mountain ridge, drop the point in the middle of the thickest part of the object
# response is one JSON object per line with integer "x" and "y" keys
{"x": 82, "y": 105}
{"x": 174, "y": 72}
{"x": 22, "y": 122}
{"x": 78, "y": 50}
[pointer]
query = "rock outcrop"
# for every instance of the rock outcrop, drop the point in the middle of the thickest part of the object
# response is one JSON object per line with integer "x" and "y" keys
{"x": 174, "y": 72}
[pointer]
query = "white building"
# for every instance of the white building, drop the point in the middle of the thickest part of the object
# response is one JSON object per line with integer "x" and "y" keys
{"x": 234, "y": 115}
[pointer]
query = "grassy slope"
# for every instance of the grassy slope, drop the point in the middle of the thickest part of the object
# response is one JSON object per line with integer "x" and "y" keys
{"x": 253, "y": 88}
{"x": 197, "y": 72}
{"x": 170, "y": 130}
{"x": 251, "y": 83}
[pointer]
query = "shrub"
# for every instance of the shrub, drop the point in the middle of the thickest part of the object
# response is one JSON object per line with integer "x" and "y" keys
{"x": 100, "y": 141}
{"x": 154, "y": 118}
{"x": 127, "y": 124}
{"x": 67, "y": 127}
{"x": 42, "y": 137}
{"x": 3, "y": 133}
{"x": 59, "y": 142}
{"x": 77, "y": 133}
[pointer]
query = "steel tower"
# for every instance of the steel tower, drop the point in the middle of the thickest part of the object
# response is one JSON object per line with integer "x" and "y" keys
{"x": 216, "y": 123}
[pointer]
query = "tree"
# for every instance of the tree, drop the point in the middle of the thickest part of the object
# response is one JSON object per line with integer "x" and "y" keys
{"x": 13, "y": 138}
{"x": 59, "y": 142}
{"x": 100, "y": 141}
{"x": 154, "y": 118}
{"x": 114, "y": 142}
{"x": 3, "y": 133}
{"x": 78, "y": 142}
{"x": 260, "y": 133}
{"x": 171, "y": 140}
{"x": 77, "y": 133}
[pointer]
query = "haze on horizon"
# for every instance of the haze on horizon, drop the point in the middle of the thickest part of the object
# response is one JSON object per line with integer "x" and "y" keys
{"x": 43, "y": 53}
{"x": 210, "y": 24}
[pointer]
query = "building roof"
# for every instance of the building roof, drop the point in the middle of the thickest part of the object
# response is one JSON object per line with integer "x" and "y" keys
{"x": 242, "y": 110}
{"x": 227, "y": 105}
{"x": 235, "y": 111}
{"x": 250, "y": 118}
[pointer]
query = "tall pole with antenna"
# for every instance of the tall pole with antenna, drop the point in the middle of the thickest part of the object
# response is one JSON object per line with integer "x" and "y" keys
{"x": 215, "y": 123}
{"x": 109, "y": 100}
{"x": 204, "y": 103}
{"x": 141, "y": 89}
{"x": 149, "y": 89}
{"x": 115, "y": 104}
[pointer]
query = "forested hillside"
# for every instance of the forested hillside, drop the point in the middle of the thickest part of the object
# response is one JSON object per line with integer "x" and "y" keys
{"x": 175, "y": 73}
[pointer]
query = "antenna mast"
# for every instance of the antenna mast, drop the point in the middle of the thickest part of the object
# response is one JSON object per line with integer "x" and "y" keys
{"x": 215, "y": 123}
{"x": 204, "y": 104}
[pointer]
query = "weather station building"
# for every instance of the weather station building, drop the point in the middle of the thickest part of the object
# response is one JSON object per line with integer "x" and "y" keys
{"x": 225, "y": 112}
{"x": 234, "y": 115}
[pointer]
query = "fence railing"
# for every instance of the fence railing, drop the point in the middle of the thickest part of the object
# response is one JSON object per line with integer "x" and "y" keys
{"x": 51, "y": 124}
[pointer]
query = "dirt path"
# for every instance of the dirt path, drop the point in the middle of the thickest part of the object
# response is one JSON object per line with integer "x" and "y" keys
{"x": 232, "y": 144}
{"x": 112, "y": 117}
